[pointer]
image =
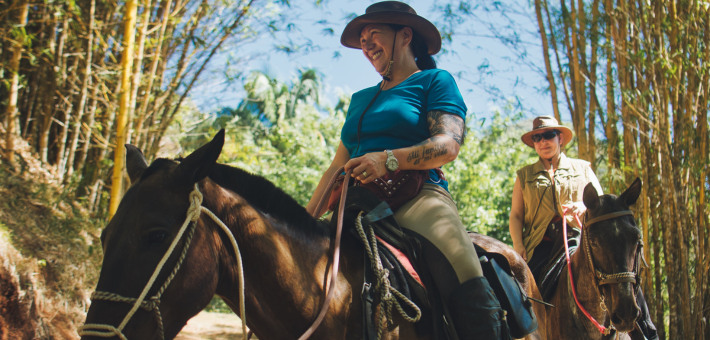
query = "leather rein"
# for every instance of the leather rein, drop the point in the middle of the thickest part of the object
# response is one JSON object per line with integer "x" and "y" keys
{"x": 601, "y": 278}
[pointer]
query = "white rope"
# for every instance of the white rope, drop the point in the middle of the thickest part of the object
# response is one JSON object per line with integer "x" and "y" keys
{"x": 193, "y": 214}
{"x": 388, "y": 294}
{"x": 242, "y": 305}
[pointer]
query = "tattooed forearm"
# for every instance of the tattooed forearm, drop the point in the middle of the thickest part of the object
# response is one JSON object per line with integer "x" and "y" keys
{"x": 427, "y": 150}
{"x": 441, "y": 122}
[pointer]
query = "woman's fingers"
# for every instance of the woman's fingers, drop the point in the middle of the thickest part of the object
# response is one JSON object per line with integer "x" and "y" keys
{"x": 364, "y": 168}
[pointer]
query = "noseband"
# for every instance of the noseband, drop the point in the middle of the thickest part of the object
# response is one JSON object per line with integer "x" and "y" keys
{"x": 153, "y": 303}
{"x": 601, "y": 278}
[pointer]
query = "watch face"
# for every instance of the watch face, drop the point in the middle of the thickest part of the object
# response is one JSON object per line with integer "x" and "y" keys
{"x": 392, "y": 164}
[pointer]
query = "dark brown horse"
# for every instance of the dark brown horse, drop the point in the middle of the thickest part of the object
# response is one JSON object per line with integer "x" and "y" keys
{"x": 611, "y": 245}
{"x": 285, "y": 255}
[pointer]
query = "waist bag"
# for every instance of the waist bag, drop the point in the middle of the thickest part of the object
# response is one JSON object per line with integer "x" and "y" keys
{"x": 511, "y": 295}
{"x": 395, "y": 188}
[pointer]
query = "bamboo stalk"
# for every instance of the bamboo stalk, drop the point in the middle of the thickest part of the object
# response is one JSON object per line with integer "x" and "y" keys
{"x": 83, "y": 95}
{"x": 121, "y": 119}
{"x": 11, "y": 109}
{"x": 546, "y": 56}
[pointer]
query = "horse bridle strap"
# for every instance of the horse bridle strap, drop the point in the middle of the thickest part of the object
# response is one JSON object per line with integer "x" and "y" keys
{"x": 605, "y": 279}
{"x": 608, "y": 217}
{"x": 193, "y": 214}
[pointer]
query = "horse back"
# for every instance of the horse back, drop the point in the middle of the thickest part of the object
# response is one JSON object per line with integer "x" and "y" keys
{"x": 509, "y": 259}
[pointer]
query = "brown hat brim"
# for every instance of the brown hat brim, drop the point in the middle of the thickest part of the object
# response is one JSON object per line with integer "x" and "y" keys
{"x": 351, "y": 34}
{"x": 565, "y": 132}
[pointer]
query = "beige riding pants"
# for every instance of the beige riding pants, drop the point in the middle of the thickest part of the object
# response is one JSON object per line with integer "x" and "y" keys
{"x": 433, "y": 215}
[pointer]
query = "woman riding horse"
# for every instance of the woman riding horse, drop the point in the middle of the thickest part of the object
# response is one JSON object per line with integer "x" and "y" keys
{"x": 414, "y": 120}
{"x": 548, "y": 191}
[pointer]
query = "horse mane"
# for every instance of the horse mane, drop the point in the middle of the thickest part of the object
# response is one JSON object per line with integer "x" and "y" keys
{"x": 259, "y": 192}
{"x": 268, "y": 198}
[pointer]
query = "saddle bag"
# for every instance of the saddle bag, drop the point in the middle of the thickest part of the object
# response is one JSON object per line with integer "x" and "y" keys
{"x": 511, "y": 295}
{"x": 395, "y": 188}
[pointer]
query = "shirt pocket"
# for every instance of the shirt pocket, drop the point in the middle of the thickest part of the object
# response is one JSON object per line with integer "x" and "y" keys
{"x": 538, "y": 187}
{"x": 571, "y": 185}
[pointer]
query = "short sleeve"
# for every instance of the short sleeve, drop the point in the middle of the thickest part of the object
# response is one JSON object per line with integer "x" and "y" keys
{"x": 443, "y": 94}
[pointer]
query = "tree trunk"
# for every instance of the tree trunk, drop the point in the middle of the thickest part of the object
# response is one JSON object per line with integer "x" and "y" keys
{"x": 546, "y": 56}
{"x": 22, "y": 6}
{"x": 82, "y": 97}
{"x": 121, "y": 120}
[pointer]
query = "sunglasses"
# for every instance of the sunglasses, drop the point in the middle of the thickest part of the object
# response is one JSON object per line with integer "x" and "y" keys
{"x": 547, "y": 135}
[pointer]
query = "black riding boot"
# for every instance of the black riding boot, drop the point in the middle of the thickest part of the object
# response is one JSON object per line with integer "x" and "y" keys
{"x": 644, "y": 322}
{"x": 476, "y": 312}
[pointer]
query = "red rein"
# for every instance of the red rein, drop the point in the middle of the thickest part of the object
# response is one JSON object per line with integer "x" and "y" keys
{"x": 601, "y": 328}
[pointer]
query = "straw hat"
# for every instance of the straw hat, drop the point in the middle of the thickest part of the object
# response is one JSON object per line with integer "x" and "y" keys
{"x": 545, "y": 123}
{"x": 392, "y": 12}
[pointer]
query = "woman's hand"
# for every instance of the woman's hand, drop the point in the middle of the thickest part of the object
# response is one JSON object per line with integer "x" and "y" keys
{"x": 575, "y": 208}
{"x": 368, "y": 167}
{"x": 520, "y": 249}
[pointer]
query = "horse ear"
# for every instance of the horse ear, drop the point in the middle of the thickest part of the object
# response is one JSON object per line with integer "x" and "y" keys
{"x": 631, "y": 195}
{"x": 591, "y": 197}
{"x": 135, "y": 162}
{"x": 198, "y": 164}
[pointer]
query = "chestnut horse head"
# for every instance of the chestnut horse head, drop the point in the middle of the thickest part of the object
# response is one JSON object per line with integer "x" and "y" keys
{"x": 604, "y": 268}
{"x": 285, "y": 254}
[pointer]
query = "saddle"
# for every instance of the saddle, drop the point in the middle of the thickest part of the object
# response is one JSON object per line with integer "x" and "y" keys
{"x": 413, "y": 261}
{"x": 550, "y": 275}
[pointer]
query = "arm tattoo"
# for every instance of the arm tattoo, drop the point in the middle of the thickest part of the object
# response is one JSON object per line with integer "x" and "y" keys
{"x": 431, "y": 148}
{"x": 442, "y": 122}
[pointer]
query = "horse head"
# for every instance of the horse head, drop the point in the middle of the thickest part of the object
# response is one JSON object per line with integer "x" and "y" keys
{"x": 612, "y": 243}
{"x": 149, "y": 218}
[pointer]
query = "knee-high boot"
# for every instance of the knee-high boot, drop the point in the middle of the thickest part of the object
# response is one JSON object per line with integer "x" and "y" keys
{"x": 644, "y": 322}
{"x": 476, "y": 312}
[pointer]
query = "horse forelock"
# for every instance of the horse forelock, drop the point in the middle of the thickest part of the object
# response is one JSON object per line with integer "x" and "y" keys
{"x": 156, "y": 166}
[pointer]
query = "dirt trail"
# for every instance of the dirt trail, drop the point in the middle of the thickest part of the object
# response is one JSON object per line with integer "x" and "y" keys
{"x": 213, "y": 326}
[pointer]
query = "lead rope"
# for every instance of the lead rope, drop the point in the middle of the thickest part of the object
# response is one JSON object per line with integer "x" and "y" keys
{"x": 193, "y": 214}
{"x": 602, "y": 329}
{"x": 388, "y": 294}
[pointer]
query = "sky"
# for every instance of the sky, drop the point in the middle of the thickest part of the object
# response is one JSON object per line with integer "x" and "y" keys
{"x": 495, "y": 56}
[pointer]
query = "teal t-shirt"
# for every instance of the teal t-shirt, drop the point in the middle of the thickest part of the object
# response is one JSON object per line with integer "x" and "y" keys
{"x": 398, "y": 117}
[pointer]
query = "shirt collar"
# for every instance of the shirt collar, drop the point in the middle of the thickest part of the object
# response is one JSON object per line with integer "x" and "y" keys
{"x": 564, "y": 164}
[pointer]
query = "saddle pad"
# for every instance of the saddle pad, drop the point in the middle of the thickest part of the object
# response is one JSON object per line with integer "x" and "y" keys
{"x": 403, "y": 261}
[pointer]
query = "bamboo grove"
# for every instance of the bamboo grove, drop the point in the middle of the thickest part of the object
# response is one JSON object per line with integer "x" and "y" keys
{"x": 78, "y": 76}
{"x": 634, "y": 77}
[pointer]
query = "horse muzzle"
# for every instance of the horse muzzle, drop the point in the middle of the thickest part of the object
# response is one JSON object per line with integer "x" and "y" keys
{"x": 624, "y": 309}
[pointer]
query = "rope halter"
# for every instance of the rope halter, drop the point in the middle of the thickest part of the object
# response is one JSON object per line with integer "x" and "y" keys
{"x": 153, "y": 303}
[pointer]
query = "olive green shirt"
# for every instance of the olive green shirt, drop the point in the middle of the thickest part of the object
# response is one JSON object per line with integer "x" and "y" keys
{"x": 571, "y": 177}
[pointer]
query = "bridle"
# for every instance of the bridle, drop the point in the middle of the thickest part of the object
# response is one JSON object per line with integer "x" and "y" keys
{"x": 153, "y": 303}
{"x": 601, "y": 278}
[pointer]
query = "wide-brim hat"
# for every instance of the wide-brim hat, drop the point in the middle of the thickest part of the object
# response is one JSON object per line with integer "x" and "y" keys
{"x": 392, "y": 12}
{"x": 545, "y": 123}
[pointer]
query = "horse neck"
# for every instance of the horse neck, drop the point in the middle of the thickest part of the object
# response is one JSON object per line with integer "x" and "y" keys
{"x": 587, "y": 291}
{"x": 279, "y": 259}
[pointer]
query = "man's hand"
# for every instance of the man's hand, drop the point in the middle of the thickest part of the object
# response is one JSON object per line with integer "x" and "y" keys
{"x": 520, "y": 249}
{"x": 576, "y": 208}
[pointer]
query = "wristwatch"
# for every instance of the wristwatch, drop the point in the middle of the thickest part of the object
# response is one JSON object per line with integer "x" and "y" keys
{"x": 392, "y": 164}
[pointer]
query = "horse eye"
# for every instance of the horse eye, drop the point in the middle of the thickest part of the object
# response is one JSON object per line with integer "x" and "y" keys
{"x": 157, "y": 237}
